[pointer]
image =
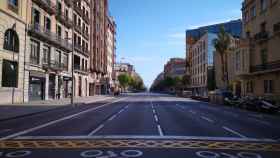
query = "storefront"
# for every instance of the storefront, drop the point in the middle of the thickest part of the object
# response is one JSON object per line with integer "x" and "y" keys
{"x": 66, "y": 87}
{"x": 36, "y": 86}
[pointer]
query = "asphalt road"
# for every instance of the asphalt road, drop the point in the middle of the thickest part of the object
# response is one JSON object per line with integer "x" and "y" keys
{"x": 143, "y": 125}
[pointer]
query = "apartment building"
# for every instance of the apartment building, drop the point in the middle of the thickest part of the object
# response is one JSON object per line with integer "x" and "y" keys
{"x": 13, "y": 86}
{"x": 81, "y": 39}
{"x": 201, "y": 64}
{"x": 261, "y": 23}
{"x": 111, "y": 52}
{"x": 175, "y": 67}
{"x": 49, "y": 49}
{"x": 98, "y": 57}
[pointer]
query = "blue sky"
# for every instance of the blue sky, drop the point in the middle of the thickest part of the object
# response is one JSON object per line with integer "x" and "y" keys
{"x": 149, "y": 32}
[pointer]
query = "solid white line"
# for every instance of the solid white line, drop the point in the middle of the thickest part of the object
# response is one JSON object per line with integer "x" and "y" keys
{"x": 112, "y": 118}
{"x": 259, "y": 121}
{"x": 96, "y": 130}
{"x": 156, "y": 118}
{"x": 192, "y": 112}
{"x": 142, "y": 137}
{"x": 207, "y": 119}
{"x": 159, "y": 130}
{"x": 234, "y": 132}
{"x": 56, "y": 121}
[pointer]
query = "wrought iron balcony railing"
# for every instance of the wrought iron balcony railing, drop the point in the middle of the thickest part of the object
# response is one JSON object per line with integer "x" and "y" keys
{"x": 45, "y": 34}
{"x": 261, "y": 36}
{"x": 265, "y": 67}
{"x": 64, "y": 18}
{"x": 47, "y": 5}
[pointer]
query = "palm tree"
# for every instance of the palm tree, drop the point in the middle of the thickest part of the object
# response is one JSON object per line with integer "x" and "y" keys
{"x": 222, "y": 45}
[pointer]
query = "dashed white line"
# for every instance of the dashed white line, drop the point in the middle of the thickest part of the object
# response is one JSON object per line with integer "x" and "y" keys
{"x": 261, "y": 122}
{"x": 234, "y": 132}
{"x": 193, "y": 112}
{"x": 112, "y": 118}
{"x": 96, "y": 130}
{"x": 159, "y": 130}
{"x": 207, "y": 119}
{"x": 154, "y": 111}
{"x": 56, "y": 121}
{"x": 156, "y": 118}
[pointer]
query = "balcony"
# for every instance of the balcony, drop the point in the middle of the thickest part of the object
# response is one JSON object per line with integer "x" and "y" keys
{"x": 86, "y": 18}
{"x": 268, "y": 67}
{"x": 80, "y": 69}
{"x": 78, "y": 48}
{"x": 261, "y": 36}
{"x": 13, "y": 7}
{"x": 276, "y": 29}
{"x": 47, "y": 5}
{"x": 85, "y": 34}
{"x": 54, "y": 65}
{"x": 64, "y": 19}
{"x": 44, "y": 34}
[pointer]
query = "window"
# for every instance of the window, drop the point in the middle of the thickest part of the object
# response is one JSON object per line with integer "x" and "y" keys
{"x": 58, "y": 31}
{"x": 9, "y": 74}
{"x": 47, "y": 24}
{"x": 35, "y": 52}
{"x": 250, "y": 87}
{"x": 46, "y": 54}
{"x": 66, "y": 35}
{"x": 35, "y": 17}
{"x": 268, "y": 86}
{"x": 11, "y": 41}
{"x": 264, "y": 56}
{"x": 263, "y": 5}
{"x": 64, "y": 61}
{"x": 253, "y": 11}
{"x": 13, "y": 2}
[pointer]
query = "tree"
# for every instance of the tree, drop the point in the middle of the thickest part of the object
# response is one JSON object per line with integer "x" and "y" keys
{"x": 222, "y": 45}
{"x": 124, "y": 80}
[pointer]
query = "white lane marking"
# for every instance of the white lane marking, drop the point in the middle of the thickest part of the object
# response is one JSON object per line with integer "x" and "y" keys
{"x": 234, "y": 132}
{"x": 159, "y": 130}
{"x": 207, "y": 119}
{"x": 156, "y": 118}
{"x": 144, "y": 137}
{"x": 5, "y": 130}
{"x": 260, "y": 121}
{"x": 193, "y": 112}
{"x": 96, "y": 130}
{"x": 154, "y": 111}
{"x": 112, "y": 118}
{"x": 126, "y": 107}
{"x": 56, "y": 121}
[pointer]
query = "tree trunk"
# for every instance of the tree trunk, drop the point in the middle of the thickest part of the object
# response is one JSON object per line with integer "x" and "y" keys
{"x": 226, "y": 71}
{"x": 223, "y": 66}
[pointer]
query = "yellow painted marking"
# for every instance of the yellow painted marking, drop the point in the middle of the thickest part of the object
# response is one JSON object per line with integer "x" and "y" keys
{"x": 160, "y": 144}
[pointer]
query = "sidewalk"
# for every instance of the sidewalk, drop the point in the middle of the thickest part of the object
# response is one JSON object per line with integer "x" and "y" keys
{"x": 12, "y": 111}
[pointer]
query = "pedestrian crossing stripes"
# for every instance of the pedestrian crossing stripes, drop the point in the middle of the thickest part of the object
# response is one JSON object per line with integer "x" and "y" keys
{"x": 158, "y": 144}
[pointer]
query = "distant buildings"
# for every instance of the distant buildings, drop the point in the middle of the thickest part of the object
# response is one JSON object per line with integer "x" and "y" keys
{"x": 175, "y": 67}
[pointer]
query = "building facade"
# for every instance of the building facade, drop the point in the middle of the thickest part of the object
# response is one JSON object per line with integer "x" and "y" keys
{"x": 261, "y": 23}
{"x": 175, "y": 67}
{"x": 81, "y": 40}
{"x": 13, "y": 83}
{"x": 111, "y": 53}
{"x": 48, "y": 50}
{"x": 201, "y": 64}
{"x": 98, "y": 57}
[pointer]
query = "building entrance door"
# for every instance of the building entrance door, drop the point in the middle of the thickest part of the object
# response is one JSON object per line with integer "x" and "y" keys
{"x": 52, "y": 86}
{"x": 36, "y": 88}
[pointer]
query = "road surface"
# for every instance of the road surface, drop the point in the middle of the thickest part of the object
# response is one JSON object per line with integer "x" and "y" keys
{"x": 143, "y": 125}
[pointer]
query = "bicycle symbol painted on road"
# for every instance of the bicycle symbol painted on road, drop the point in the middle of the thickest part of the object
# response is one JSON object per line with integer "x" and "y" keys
{"x": 111, "y": 154}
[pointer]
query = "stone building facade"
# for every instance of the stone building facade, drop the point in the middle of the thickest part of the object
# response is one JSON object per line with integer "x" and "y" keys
{"x": 261, "y": 23}
{"x": 13, "y": 81}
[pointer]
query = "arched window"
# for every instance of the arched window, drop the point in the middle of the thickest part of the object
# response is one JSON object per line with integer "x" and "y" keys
{"x": 11, "y": 41}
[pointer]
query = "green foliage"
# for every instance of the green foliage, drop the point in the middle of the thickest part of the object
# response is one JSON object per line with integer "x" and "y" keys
{"x": 124, "y": 80}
